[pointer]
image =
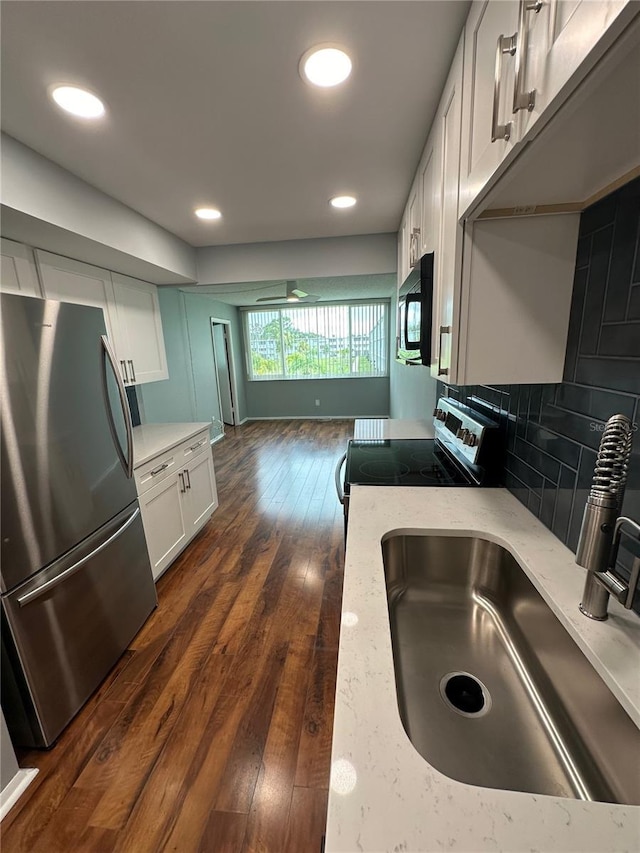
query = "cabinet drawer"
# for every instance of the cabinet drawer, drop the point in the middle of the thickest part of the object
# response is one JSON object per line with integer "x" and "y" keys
{"x": 157, "y": 469}
{"x": 194, "y": 446}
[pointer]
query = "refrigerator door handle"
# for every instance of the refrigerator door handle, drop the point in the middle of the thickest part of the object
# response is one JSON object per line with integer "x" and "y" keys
{"x": 127, "y": 462}
{"x": 28, "y": 597}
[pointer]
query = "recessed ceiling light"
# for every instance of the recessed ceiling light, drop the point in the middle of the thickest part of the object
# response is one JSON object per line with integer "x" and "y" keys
{"x": 78, "y": 102}
{"x": 325, "y": 65}
{"x": 343, "y": 201}
{"x": 207, "y": 213}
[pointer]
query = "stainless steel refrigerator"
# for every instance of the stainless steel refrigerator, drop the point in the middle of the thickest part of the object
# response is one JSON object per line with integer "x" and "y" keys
{"x": 76, "y": 581}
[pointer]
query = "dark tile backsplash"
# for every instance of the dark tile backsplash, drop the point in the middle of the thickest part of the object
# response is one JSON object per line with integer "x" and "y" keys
{"x": 132, "y": 397}
{"x": 552, "y": 432}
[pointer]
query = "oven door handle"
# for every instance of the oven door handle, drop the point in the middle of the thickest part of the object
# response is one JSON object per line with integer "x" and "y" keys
{"x": 339, "y": 488}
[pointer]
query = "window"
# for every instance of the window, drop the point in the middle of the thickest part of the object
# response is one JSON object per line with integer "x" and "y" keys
{"x": 317, "y": 342}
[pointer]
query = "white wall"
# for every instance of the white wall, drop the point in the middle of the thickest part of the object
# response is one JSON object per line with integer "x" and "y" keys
{"x": 47, "y": 207}
{"x": 289, "y": 259}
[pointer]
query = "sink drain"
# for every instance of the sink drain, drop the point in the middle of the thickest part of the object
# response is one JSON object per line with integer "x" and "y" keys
{"x": 465, "y": 694}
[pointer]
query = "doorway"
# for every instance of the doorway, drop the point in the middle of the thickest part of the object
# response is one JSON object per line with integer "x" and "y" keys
{"x": 224, "y": 370}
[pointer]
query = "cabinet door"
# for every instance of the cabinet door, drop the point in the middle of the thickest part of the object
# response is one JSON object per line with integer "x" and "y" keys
{"x": 565, "y": 40}
{"x": 72, "y": 281}
{"x": 19, "y": 273}
{"x": 414, "y": 223}
{"x": 141, "y": 341}
{"x": 429, "y": 177}
{"x": 201, "y": 497}
{"x": 488, "y": 20}
{"x": 162, "y": 509}
{"x": 403, "y": 251}
{"x": 445, "y": 330}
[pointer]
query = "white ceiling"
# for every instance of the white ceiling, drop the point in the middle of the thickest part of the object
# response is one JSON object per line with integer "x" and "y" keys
{"x": 329, "y": 289}
{"x": 206, "y": 107}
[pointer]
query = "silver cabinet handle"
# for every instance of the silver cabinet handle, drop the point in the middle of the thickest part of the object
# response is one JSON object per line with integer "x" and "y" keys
{"x": 127, "y": 462}
{"x": 523, "y": 100}
{"x": 182, "y": 485}
{"x": 199, "y": 444}
{"x": 444, "y": 330}
{"x": 187, "y": 477}
{"x": 133, "y": 372}
{"x": 339, "y": 488}
{"x": 413, "y": 247}
{"x": 123, "y": 365}
{"x": 506, "y": 44}
{"x": 160, "y": 468}
{"x": 45, "y": 587}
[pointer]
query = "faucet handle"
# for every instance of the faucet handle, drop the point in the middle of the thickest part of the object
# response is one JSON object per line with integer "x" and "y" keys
{"x": 619, "y": 589}
{"x": 633, "y": 583}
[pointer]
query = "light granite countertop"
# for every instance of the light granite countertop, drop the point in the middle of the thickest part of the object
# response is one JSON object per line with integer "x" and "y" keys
{"x": 382, "y": 428}
{"x": 151, "y": 439}
{"x": 384, "y": 796}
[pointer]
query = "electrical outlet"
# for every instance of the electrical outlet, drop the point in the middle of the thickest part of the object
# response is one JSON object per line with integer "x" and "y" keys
{"x": 317, "y": 402}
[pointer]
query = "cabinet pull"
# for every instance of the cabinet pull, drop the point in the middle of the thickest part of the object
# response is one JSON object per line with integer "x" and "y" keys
{"x": 182, "y": 486}
{"x": 523, "y": 100}
{"x": 133, "y": 373}
{"x": 123, "y": 366}
{"x": 444, "y": 330}
{"x": 506, "y": 44}
{"x": 160, "y": 468}
{"x": 413, "y": 247}
{"x": 196, "y": 446}
{"x": 187, "y": 478}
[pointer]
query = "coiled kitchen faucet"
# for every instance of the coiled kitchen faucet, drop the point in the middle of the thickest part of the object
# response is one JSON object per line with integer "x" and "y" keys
{"x": 602, "y": 528}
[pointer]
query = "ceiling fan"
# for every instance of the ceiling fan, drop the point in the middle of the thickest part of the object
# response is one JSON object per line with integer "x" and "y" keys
{"x": 293, "y": 294}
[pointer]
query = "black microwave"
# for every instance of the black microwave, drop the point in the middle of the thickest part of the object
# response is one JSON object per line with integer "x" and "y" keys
{"x": 415, "y": 306}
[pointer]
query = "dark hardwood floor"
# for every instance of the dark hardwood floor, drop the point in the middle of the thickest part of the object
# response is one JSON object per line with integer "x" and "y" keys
{"x": 213, "y": 732}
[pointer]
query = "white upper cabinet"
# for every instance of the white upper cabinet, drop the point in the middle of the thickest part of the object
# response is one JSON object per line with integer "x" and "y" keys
{"x": 550, "y": 102}
{"x": 429, "y": 178}
{"x": 72, "y": 281}
{"x": 448, "y": 257}
{"x": 559, "y": 42}
{"x": 19, "y": 274}
{"x": 130, "y": 307}
{"x": 139, "y": 339}
{"x": 403, "y": 250}
{"x": 489, "y": 74}
{"x": 502, "y": 287}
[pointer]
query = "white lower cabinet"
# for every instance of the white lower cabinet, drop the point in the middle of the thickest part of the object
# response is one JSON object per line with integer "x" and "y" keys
{"x": 163, "y": 521}
{"x": 177, "y": 493}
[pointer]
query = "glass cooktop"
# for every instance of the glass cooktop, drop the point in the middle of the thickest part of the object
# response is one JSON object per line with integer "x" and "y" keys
{"x": 400, "y": 462}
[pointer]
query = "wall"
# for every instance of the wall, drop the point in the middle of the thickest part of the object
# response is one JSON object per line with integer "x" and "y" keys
{"x": 49, "y": 208}
{"x": 412, "y": 389}
{"x": 339, "y": 398}
{"x": 553, "y": 431}
{"x": 190, "y": 393}
{"x": 289, "y": 259}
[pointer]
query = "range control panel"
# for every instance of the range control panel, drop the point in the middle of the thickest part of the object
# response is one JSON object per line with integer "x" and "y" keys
{"x": 462, "y": 429}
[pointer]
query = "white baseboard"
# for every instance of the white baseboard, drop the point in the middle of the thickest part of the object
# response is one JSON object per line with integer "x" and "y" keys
{"x": 15, "y": 789}
{"x": 217, "y": 438}
{"x": 317, "y": 417}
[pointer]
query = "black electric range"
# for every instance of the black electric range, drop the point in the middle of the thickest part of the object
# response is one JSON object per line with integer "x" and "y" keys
{"x": 466, "y": 451}
{"x": 399, "y": 462}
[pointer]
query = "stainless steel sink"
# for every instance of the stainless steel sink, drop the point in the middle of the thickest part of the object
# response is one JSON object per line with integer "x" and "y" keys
{"x": 491, "y": 689}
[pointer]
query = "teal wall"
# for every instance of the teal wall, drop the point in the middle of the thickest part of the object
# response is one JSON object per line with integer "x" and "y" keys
{"x": 295, "y": 398}
{"x": 190, "y": 393}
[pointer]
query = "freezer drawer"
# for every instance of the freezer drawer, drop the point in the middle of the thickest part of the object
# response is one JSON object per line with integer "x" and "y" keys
{"x": 63, "y": 630}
